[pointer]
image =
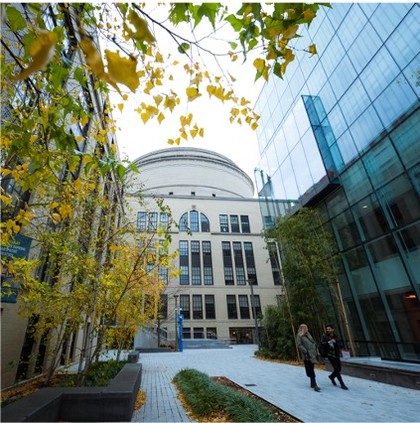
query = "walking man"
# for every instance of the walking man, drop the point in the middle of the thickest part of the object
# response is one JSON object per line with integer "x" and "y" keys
{"x": 333, "y": 355}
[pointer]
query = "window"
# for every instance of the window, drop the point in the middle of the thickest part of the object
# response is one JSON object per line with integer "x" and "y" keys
{"x": 184, "y": 278}
{"x": 198, "y": 333}
{"x": 163, "y": 310}
{"x": 193, "y": 220}
{"x": 257, "y": 305}
{"x": 250, "y": 262}
{"x": 239, "y": 263}
{"x": 141, "y": 221}
{"x": 195, "y": 263}
{"x": 227, "y": 263}
{"x": 164, "y": 221}
{"x": 207, "y": 263}
{"x": 184, "y": 304}
{"x": 234, "y": 223}
{"x": 274, "y": 260}
{"x": 211, "y": 333}
{"x": 153, "y": 219}
{"x": 224, "y": 226}
{"x": 245, "y": 224}
{"x": 197, "y": 307}
{"x": 244, "y": 307}
{"x": 231, "y": 307}
{"x": 210, "y": 307}
{"x": 186, "y": 333}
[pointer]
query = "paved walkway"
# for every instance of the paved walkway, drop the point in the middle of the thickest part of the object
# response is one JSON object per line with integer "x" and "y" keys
{"x": 284, "y": 385}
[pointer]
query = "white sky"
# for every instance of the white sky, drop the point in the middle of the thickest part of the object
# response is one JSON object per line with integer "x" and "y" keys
{"x": 237, "y": 142}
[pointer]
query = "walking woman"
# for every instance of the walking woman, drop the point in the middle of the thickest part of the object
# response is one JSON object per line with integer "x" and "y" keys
{"x": 307, "y": 347}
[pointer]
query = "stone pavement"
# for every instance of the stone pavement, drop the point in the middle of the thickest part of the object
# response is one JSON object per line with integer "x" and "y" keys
{"x": 286, "y": 386}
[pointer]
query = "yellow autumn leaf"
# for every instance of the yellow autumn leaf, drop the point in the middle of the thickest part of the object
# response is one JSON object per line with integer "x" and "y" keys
{"x": 308, "y": 15}
{"x": 158, "y": 99}
{"x": 120, "y": 107}
{"x": 122, "y": 70}
{"x": 142, "y": 31}
{"x": 259, "y": 64}
{"x": 183, "y": 134}
{"x": 312, "y": 49}
{"x": 170, "y": 102}
{"x": 201, "y": 132}
{"x": 160, "y": 117}
{"x": 193, "y": 132}
{"x": 41, "y": 51}
{"x": 288, "y": 57}
{"x": 170, "y": 141}
{"x": 192, "y": 93}
{"x": 254, "y": 126}
{"x": 93, "y": 57}
{"x": 290, "y": 32}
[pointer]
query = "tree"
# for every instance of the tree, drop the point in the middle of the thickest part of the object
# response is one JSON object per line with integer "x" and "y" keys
{"x": 62, "y": 179}
{"x": 309, "y": 268}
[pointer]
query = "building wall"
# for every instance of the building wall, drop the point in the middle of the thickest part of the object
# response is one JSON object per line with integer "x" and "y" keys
{"x": 341, "y": 133}
{"x": 203, "y": 201}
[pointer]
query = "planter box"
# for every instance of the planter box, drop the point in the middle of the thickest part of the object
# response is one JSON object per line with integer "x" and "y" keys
{"x": 87, "y": 404}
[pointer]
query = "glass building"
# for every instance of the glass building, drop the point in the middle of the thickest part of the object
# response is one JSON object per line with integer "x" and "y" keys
{"x": 341, "y": 132}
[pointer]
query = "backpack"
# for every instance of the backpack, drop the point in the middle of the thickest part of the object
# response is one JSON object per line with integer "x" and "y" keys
{"x": 323, "y": 349}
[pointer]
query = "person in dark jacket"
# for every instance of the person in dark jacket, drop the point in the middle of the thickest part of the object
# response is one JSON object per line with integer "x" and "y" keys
{"x": 329, "y": 339}
{"x": 307, "y": 347}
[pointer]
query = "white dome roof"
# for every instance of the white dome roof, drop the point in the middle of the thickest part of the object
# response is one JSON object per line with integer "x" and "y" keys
{"x": 190, "y": 171}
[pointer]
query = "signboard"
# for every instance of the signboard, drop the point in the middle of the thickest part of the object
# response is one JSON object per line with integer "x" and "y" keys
{"x": 19, "y": 247}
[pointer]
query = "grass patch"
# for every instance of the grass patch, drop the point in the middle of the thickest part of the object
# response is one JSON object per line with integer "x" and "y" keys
{"x": 207, "y": 398}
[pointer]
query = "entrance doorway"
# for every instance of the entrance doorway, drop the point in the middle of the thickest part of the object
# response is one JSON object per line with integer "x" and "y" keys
{"x": 241, "y": 335}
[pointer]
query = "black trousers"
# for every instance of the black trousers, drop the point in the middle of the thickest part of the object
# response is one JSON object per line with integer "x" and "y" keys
{"x": 336, "y": 365}
{"x": 310, "y": 372}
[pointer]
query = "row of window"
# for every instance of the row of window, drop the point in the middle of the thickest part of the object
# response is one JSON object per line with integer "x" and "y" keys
{"x": 238, "y": 307}
{"x": 193, "y": 221}
{"x": 198, "y": 333}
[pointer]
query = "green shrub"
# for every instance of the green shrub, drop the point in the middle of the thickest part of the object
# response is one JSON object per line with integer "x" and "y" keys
{"x": 206, "y": 396}
{"x": 100, "y": 373}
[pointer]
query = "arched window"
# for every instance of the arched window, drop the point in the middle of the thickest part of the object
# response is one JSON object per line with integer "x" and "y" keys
{"x": 194, "y": 221}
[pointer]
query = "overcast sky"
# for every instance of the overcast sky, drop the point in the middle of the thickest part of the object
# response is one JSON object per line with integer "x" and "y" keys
{"x": 239, "y": 143}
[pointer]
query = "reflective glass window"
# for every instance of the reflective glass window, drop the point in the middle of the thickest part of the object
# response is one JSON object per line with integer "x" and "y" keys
{"x": 205, "y": 224}
{"x": 323, "y": 31}
{"x": 410, "y": 242}
{"x": 364, "y": 47}
{"x": 395, "y": 100}
{"x": 210, "y": 308}
{"x": 401, "y": 201}
{"x": 234, "y": 223}
{"x": 368, "y": 8}
{"x": 411, "y": 76}
{"x": 337, "y": 203}
{"x": 382, "y": 163}
{"x": 317, "y": 79}
{"x": 345, "y": 230}
{"x": 387, "y": 16}
{"x": 194, "y": 225}
{"x": 337, "y": 14}
{"x": 291, "y": 132}
{"x": 337, "y": 157}
{"x": 303, "y": 175}
{"x": 371, "y": 217}
{"x": 347, "y": 147}
{"x": 354, "y": 25}
{"x": 337, "y": 121}
{"x": 184, "y": 304}
{"x": 406, "y": 139}
{"x": 354, "y": 101}
{"x": 405, "y": 40}
{"x": 379, "y": 73}
{"x": 278, "y": 187}
{"x": 272, "y": 158}
{"x": 342, "y": 77}
{"x": 316, "y": 165}
{"x": 328, "y": 97}
{"x": 232, "y": 310}
{"x": 184, "y": 266}
{"x": 289, "y": 180}
{"x": 366, "y": 128}
{"x": 356, "y": 183}
{"x": 414, "y": 175}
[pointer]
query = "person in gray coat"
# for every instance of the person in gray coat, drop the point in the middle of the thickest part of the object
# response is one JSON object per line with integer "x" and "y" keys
{"x": 308, "y": 349}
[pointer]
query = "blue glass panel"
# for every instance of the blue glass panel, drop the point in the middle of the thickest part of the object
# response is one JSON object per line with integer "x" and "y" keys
{"x": 364, "y": 47}
{"x": 291, "y": 132}
{"x": 345, "y": 230}
{"x": 278, "y": 187}
{"x": 338, "y": 13}
{"x": 397, "y": 99}
{"x": 379, "y": 73}
{"x": 272, "y": 158}
{"x": 342, "y": 77}
{"x": 354, "y": 23}
{"x": 411, "y": 75}
{"x": 410, "y": 242}
{"x": 354, "y": 101}
{"x": 303, "y": 174}
{"x": 387, "y": 16}
{"x": 333, "y": 55}
{"x": 368, "y": 8}
{"x": 337, "y": 121}
{"x": 366, "y": 128}
{"x": 311, "y": 149}
{"x": 337, "y": 158}
{"x": 382, "y": 163}
{"x": 289, "y": 180}
{"x": 328, "y": 97}
{"x": 405, "y": 40}
{"x": 347, "y": 147}
{"x": 281, "y": 146}
{"x": 356, "y": 183}
{"x": 337, "y": 203}
{"x": 317, "y": 79}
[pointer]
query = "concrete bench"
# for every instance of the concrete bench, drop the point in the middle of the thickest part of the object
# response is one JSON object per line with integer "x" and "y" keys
{"x": 114, "y": 402}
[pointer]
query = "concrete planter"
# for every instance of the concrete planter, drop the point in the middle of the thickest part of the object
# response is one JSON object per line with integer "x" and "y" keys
{"x": 87, "y": 404}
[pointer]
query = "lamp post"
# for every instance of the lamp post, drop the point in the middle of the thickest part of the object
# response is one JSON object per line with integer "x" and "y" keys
{"x": 257, "y": 333}
{"x": 176, "y": 321}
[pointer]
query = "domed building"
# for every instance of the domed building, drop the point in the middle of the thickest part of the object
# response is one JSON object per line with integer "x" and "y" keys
{"x": 218, "y": 236}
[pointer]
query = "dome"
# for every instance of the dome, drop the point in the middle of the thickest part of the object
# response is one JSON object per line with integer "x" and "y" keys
{"x": 181, "y": 171}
